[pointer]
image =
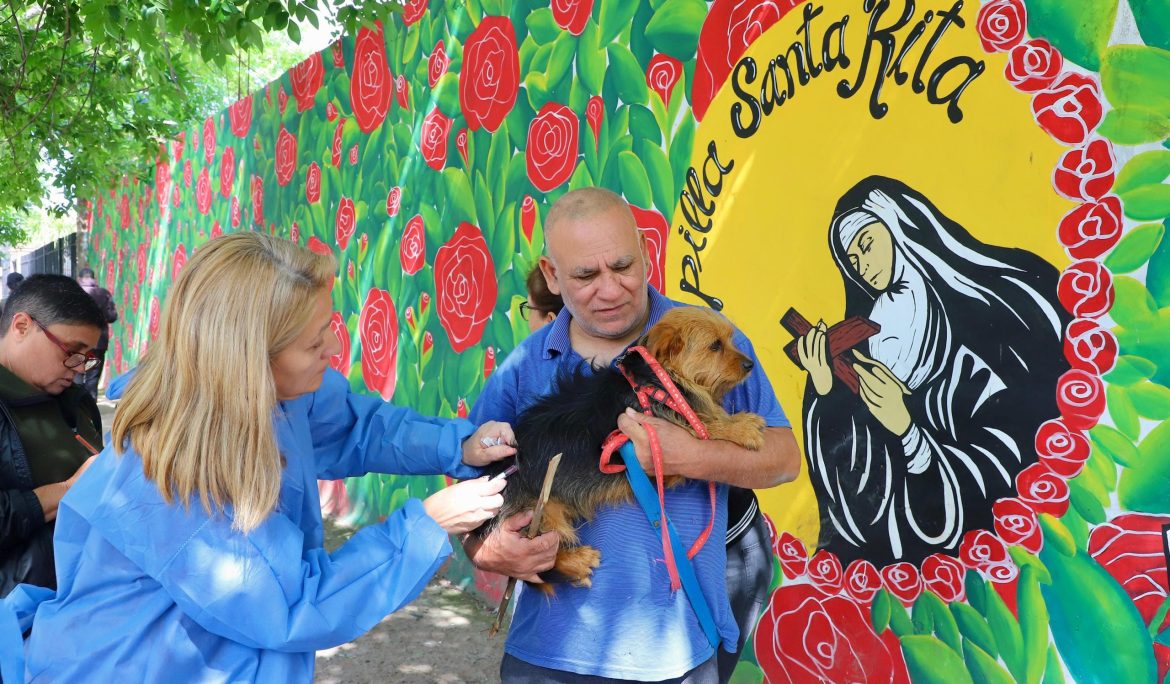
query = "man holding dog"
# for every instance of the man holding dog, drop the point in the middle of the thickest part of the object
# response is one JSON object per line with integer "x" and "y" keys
{"x": 620, "y": 630}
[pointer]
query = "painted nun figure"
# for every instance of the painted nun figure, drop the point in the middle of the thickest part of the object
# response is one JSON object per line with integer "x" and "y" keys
{"x": 952, "y": 388}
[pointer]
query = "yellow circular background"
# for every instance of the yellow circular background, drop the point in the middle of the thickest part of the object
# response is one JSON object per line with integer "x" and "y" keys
{"x": 768, "y": 250}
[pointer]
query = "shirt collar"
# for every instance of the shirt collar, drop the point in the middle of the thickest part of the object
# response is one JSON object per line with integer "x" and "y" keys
{"x": 557, "y": 342}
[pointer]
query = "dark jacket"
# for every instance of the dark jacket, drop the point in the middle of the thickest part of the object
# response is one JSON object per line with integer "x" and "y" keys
{"x": 105, "y": 301}
{"x": 26, "y": 540}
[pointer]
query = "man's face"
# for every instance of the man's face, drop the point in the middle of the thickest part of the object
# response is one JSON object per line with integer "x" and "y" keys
{"x": 38, "y": 360}
{"x": 598, "y": 266}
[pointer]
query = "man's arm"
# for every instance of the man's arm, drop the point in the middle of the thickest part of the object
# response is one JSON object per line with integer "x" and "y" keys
{"x": 717, "y": 460}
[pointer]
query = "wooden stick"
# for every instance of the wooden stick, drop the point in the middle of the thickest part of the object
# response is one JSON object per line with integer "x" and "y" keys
{"x": 533, "y": 531}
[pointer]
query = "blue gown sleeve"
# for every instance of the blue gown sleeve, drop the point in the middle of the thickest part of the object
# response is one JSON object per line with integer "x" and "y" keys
{"x": 262, "y": 590}
{"x": 355, "y": 434}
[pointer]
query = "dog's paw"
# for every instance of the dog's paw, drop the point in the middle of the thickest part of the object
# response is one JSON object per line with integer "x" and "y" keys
{"x": 577, "y": 564}
{"x": 745, "y": 429}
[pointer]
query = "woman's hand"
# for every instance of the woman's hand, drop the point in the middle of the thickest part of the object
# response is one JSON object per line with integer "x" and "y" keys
{"x": 814, "y": 356}
{"x": 491, "y": 442}
{"x": 883, "y": 393}
{"x": 464, "y": 506}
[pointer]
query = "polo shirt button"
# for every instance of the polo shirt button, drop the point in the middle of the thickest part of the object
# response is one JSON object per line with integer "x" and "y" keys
{"x": 657, "y": 524}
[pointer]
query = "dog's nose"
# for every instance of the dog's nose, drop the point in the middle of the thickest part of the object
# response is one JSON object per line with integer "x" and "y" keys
{"x": 748, "y": 365}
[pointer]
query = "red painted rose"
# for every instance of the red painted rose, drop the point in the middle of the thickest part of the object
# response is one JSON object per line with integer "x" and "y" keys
{"x": 655, "y": 230}
{"x": 572, "y": 15}
{"x": 393, "y": 200}
{"x": 154, "y": 318}
{"x": 186, "y": 183}
{"x": 216, "y": 230}
{"x": 402, "y": 91}
{"x": 730, "y": 27}
{"x": 943, "y": 575}
{"x": 490, "y": 77}
{"x": 1086, "y": 289}
{"x": 594, "y": 114}
{"x": 433, "y": 140}
{"x": 370, "y": 83}
{"x": 806, "y": 635}
{"x": 1090, "y": 347}
{"x": 792, "y": 554}
{"x": 1061, "y": 450}
{"x": 465, "y": 286}
{"x": 208, "y": 140}
{"x": 179, "y": 261}
{"x": 227, "y": 171}
{"x": 461, "y": 408}
{"x": 1017, "y": 525}
{"x": 378, "y": 332}
{"x": 437, "y": 64}
{"x": 528, "y": 217}
{"x": 313, "y": 183}
{"x": 340, "y": 361}
{"x": 1043, "y": 490}
{"x": 345, "y": 222}
{"x": 307, "y": 78}
{"x": 282, "y": 99}
{"x": 286, "y": 156}
{"x": 353, "y": 154}
{"x": 335, "y": 150}
{"x": 461, "y": 144}
{"x": 662, "y": 74}
{"x": 240, "y": 117}
{"x": 1070, "y": 109}
{"x": 1131, "y": 548}
{"x": 824, "y": 571}
{"x": 1092, "y": 229}
{"x": 1086, "y": 173}
{"x": 1080, "y": 396}
{"x": 257, "y": 200}
{"x": 294, "y": 233}
{"x": 862, "y": 581}
{"x": 1001, "y": 24}
{"x": 428, "y": 342}
{"x": 903, "y": 581}
{"x": 412, "y": 250}
{"x": 162, "y": 181}
{"x": 203, "y": 192}
{"x": 489, "y": 362}
{"x": 413, "y": 10}
{"x": 980, "y": 549}
{"x": 330, "y": 111}
{"x": 1033, "y": 65}
{"x": 551, "y": 152}
{"x": 315, "y": 245}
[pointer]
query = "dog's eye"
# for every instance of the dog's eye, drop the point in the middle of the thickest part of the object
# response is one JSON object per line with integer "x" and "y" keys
{"x": 717, "y": 345}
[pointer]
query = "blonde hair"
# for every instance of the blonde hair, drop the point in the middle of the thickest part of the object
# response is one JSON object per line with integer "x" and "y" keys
{"x": 199, "y": 410}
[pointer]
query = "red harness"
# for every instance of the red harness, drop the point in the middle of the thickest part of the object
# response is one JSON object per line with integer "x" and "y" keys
{"x": 673, "y": 399}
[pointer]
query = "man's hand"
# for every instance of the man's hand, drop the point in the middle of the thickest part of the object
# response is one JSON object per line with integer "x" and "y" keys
{"x": 491, "y": 442}
{"x": 675, "y": 441}
{"x": 508, "y": 551}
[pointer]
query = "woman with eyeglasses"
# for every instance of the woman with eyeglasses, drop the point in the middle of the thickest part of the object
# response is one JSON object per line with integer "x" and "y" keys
{"x": 542, "y": 305}
{"x": 48, "y": 425}
{"x": 192, "y": 549}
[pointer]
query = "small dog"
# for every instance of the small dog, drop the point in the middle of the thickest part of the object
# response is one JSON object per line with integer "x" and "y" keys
{"x": 694, "y": 346}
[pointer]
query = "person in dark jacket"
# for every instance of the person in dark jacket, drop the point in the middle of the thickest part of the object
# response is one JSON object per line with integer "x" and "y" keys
{"x": 105, "y": 302}
{"x": 13, "y": 280}
{"x": 49, "y": 427}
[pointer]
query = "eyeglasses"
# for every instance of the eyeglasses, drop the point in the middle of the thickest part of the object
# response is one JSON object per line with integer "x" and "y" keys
{"x": 73, "y": 360}
{"x": 525, "y": 307}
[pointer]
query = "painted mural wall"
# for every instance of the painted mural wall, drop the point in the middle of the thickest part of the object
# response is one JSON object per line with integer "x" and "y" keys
{"x": 941, "y": 222}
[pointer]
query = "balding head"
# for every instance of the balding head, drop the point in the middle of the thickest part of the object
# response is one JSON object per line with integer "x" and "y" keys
{"x": 583, "y": 204}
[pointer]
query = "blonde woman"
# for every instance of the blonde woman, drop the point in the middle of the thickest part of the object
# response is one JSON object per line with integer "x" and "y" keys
{"x": 192, "y": 549}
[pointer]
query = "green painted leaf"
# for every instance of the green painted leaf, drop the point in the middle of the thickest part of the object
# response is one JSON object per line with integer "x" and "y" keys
{"x": 643, "y": 125}
{"x": 626, "y": 75}
{"x": 1147, "y": 168}
{"x": 1079, "y": 30}
{"x": 1135, "y": 248}
{"x": 591, "y": 57}
{"x": 930, "y": 660}
{"x": 1024, "y": 559}
{"x": 635, "y": 184}
{"x": 658, "y": 172}
{"x": 1122, "y": 411}
{"x": 680, "y": 151}
{"x": 1086, "y": 502}
{"x": 1143, "y": 486}
{"x": 1134, "y": 76}
{"x": 580, "y": 177}
{"x": 541, "y": 25}
{"x": 899, "y": 619}
{"x": 674, "y": 28}
{"x": 1130, "y": 369}
{"x": 945, "y": 627}
{"x": 880, "y": 611}
{"x": 1008, "y": 637}
{"x": 560, "y": 61}
{"x": 1133, "y": 305}
{"x": 976, "y": 589}
{"x": 1083, "y": 593}
{"x": 974, "y": 627}
{"x": 1054, "y": 671}
{"x": 447, "y": 92}
{"x": 746, "y": 673}
{"x": 1148, "y": 202}
{"x": 1134, "y": 126}
{"x": 615, "y": 16}
{"x": 459, "y": 199}
{"x": 984, "y": 668}
{"x": 1153, "y": 21}
{"x": 1151, "y": 400}
{"x": 1057, "y": 535}
{"x": 921, "y": 617}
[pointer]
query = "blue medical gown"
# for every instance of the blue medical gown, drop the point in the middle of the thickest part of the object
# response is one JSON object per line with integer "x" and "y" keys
{"x": 149, "y": 591}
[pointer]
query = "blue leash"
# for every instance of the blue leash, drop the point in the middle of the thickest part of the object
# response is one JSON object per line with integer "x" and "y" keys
{"x": 647, "y": 497}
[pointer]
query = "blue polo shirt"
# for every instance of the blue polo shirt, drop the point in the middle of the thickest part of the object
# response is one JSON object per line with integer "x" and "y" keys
{"x": 629, "y": 624}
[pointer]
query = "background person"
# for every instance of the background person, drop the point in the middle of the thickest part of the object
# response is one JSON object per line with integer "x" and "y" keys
{"x": 105, "y": 302}
{"x": 47, "y": 333}
{"x": 192, "y": 550}
{"x": 542, "y": 305}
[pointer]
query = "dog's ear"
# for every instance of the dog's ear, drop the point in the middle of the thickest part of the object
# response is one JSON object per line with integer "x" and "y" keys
{"x": 664, "y": 341}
